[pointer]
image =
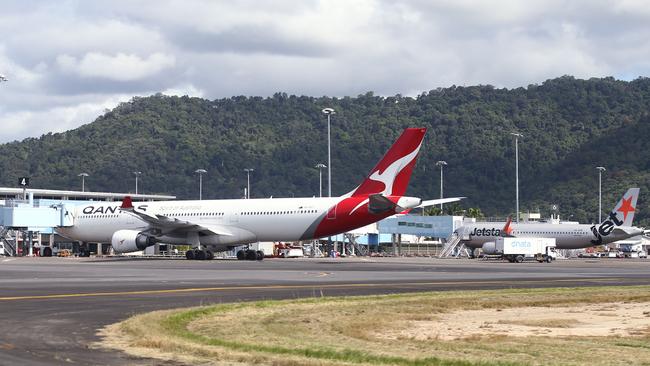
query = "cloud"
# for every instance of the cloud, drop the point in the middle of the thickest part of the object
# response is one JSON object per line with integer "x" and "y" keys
{"x": 120, "y": 67}
{"x": 68, "y": 60}
{"x": 34, "y": 123}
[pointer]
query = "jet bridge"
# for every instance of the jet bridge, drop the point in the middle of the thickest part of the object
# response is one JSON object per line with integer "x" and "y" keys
{"x": 22, "y": 222}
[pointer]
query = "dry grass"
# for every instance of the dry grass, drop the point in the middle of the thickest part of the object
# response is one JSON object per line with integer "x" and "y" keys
{"x": 544, "y": 323}
{"x": 338, "y": 331}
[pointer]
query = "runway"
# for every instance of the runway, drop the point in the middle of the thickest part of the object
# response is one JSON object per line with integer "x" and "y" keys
{"x": 51, "y": 308}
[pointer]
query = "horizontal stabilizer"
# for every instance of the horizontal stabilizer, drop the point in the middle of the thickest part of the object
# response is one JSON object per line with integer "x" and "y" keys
{"x": 438, "y": 201}
{"x": 628, "y": 230}
{"x": 378, "y": 204}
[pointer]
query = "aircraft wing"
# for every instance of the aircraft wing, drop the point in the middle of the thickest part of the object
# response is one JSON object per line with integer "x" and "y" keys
{"x": 168, "y": 225}
{"x": 439, "y": 201}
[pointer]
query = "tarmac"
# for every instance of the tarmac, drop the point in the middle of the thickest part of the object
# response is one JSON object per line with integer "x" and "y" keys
{"x": 52, "y": 308}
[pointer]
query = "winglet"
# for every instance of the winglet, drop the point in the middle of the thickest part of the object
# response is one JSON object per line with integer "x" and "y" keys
{"x": 507, "y": 229}
{"x": 127, "y": 203}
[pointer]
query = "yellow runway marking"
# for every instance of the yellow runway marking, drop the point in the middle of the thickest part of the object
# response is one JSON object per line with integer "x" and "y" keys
{"x": 296, "y": 287}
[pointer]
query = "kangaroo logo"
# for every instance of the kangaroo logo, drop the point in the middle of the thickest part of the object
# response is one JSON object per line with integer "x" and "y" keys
{"x": 387, "y": 177}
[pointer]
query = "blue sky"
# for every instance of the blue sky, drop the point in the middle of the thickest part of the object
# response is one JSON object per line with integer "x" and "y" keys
{"x": 68, "y": 61}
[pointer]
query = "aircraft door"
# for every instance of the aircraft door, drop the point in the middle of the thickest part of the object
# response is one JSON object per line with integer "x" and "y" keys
{"x": 234, "y": 218}
{"x": 67, "y": 218}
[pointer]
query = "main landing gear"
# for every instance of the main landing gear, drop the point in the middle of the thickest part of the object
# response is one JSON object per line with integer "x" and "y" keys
{"x": 250, "y": 255}
{"x": 199, "y": 254}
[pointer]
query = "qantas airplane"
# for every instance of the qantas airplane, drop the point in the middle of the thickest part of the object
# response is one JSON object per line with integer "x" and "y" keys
{"x": 616, "y": 226}
{"x": 218, "y": 225}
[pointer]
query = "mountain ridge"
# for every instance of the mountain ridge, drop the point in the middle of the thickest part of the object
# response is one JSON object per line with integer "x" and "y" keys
{"x": 570, "y": 126}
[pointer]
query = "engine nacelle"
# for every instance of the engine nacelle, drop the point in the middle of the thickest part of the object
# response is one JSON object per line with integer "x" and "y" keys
{"x": 127, "y": 241}
{"x": 490, "y": 248}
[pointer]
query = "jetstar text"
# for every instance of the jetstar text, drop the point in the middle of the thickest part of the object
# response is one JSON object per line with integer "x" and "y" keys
{"x": 605, "y": 228}
{"x": 485, "y": 232}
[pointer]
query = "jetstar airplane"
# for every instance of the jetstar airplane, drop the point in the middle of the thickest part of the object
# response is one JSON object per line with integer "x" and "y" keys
{"x": 616, "y": 226}
{"x": 218, "y": 225}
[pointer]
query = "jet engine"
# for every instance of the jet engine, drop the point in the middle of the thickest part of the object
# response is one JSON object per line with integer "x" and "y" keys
{"x": 126, "y": 241}
{"x": 489, "y": 248}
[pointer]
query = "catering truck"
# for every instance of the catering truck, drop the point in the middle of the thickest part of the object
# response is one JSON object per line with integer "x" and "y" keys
{"x": 517, "y": 249}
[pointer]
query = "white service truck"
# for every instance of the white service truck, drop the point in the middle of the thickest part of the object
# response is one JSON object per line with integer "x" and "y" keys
{"x": 517, "y": 249}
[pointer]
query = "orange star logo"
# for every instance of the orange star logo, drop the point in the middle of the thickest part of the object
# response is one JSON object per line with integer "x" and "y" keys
{"x": 626, "y": 207}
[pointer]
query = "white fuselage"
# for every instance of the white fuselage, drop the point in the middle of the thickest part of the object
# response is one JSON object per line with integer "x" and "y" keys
{"x": 250, "y": 220}
{"x": 567, "y": 236}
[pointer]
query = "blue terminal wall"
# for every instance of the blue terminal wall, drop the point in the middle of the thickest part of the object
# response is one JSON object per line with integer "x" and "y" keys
{"x": 430, "y": 226}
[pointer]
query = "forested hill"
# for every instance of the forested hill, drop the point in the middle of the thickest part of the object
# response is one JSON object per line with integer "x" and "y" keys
{"x": 570, "y": 126}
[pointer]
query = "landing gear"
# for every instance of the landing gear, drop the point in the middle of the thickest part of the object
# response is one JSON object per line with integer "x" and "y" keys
{"x": 199, "y": 254}
{"x": 241, "y": 255}
{"x": 250, "y": 255}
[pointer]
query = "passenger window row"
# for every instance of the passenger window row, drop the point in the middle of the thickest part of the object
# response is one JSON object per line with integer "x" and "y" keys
{"x": 258, "y": 213}
{"x": 196, "y": 214}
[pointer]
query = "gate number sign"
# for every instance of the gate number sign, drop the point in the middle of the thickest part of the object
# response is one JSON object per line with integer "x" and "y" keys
{"x": 23, "y": 181}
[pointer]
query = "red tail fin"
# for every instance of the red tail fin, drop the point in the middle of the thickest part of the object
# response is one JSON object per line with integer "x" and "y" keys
{"x": 391, "y": 175}
{"x": 507, "y": 229}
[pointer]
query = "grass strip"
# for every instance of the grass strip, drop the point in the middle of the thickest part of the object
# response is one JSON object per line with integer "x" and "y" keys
{"x": 179, "y": 325}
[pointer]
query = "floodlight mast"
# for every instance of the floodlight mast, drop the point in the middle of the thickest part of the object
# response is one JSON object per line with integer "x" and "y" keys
{"x": 200, "y": 172}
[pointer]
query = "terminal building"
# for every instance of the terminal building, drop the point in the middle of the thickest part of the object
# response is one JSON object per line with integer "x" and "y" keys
{"x": 28, "y": 218}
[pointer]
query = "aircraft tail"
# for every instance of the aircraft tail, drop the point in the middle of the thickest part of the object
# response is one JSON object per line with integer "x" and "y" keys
{"x": 507, "y": 228}
{"x": 390, "y": 177}
{"x": 624, "y": 210}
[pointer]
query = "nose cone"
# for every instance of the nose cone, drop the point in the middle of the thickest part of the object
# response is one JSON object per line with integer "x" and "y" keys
{"x": 408, "y": 202}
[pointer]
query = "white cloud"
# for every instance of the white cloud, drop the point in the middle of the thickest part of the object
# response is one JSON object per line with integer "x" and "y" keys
{"x": 185, "y": 89}
{"x": 25, "y": 123}
{"x": 121, "y": 67}
{"x": 67, "y": 61}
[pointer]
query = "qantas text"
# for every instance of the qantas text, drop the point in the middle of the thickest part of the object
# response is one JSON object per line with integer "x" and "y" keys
{"x": 94, "y": 210}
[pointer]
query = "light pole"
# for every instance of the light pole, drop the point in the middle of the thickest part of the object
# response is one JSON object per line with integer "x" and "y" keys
{"x": 83, "y": 181}
{"x": 248, "y": 181}
{"x": 200, "y": 172}
{"x": 329, "y": 112}
{"x": 517, "y": 136}
{"x": 441, "y": 164}
{"x": 137, "y": 174}
{"x": 320, "y": 167}
{"x": 601, "y": 169}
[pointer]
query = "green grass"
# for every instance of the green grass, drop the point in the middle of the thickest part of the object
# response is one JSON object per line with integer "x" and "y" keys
{"x": 336, "y": 331}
